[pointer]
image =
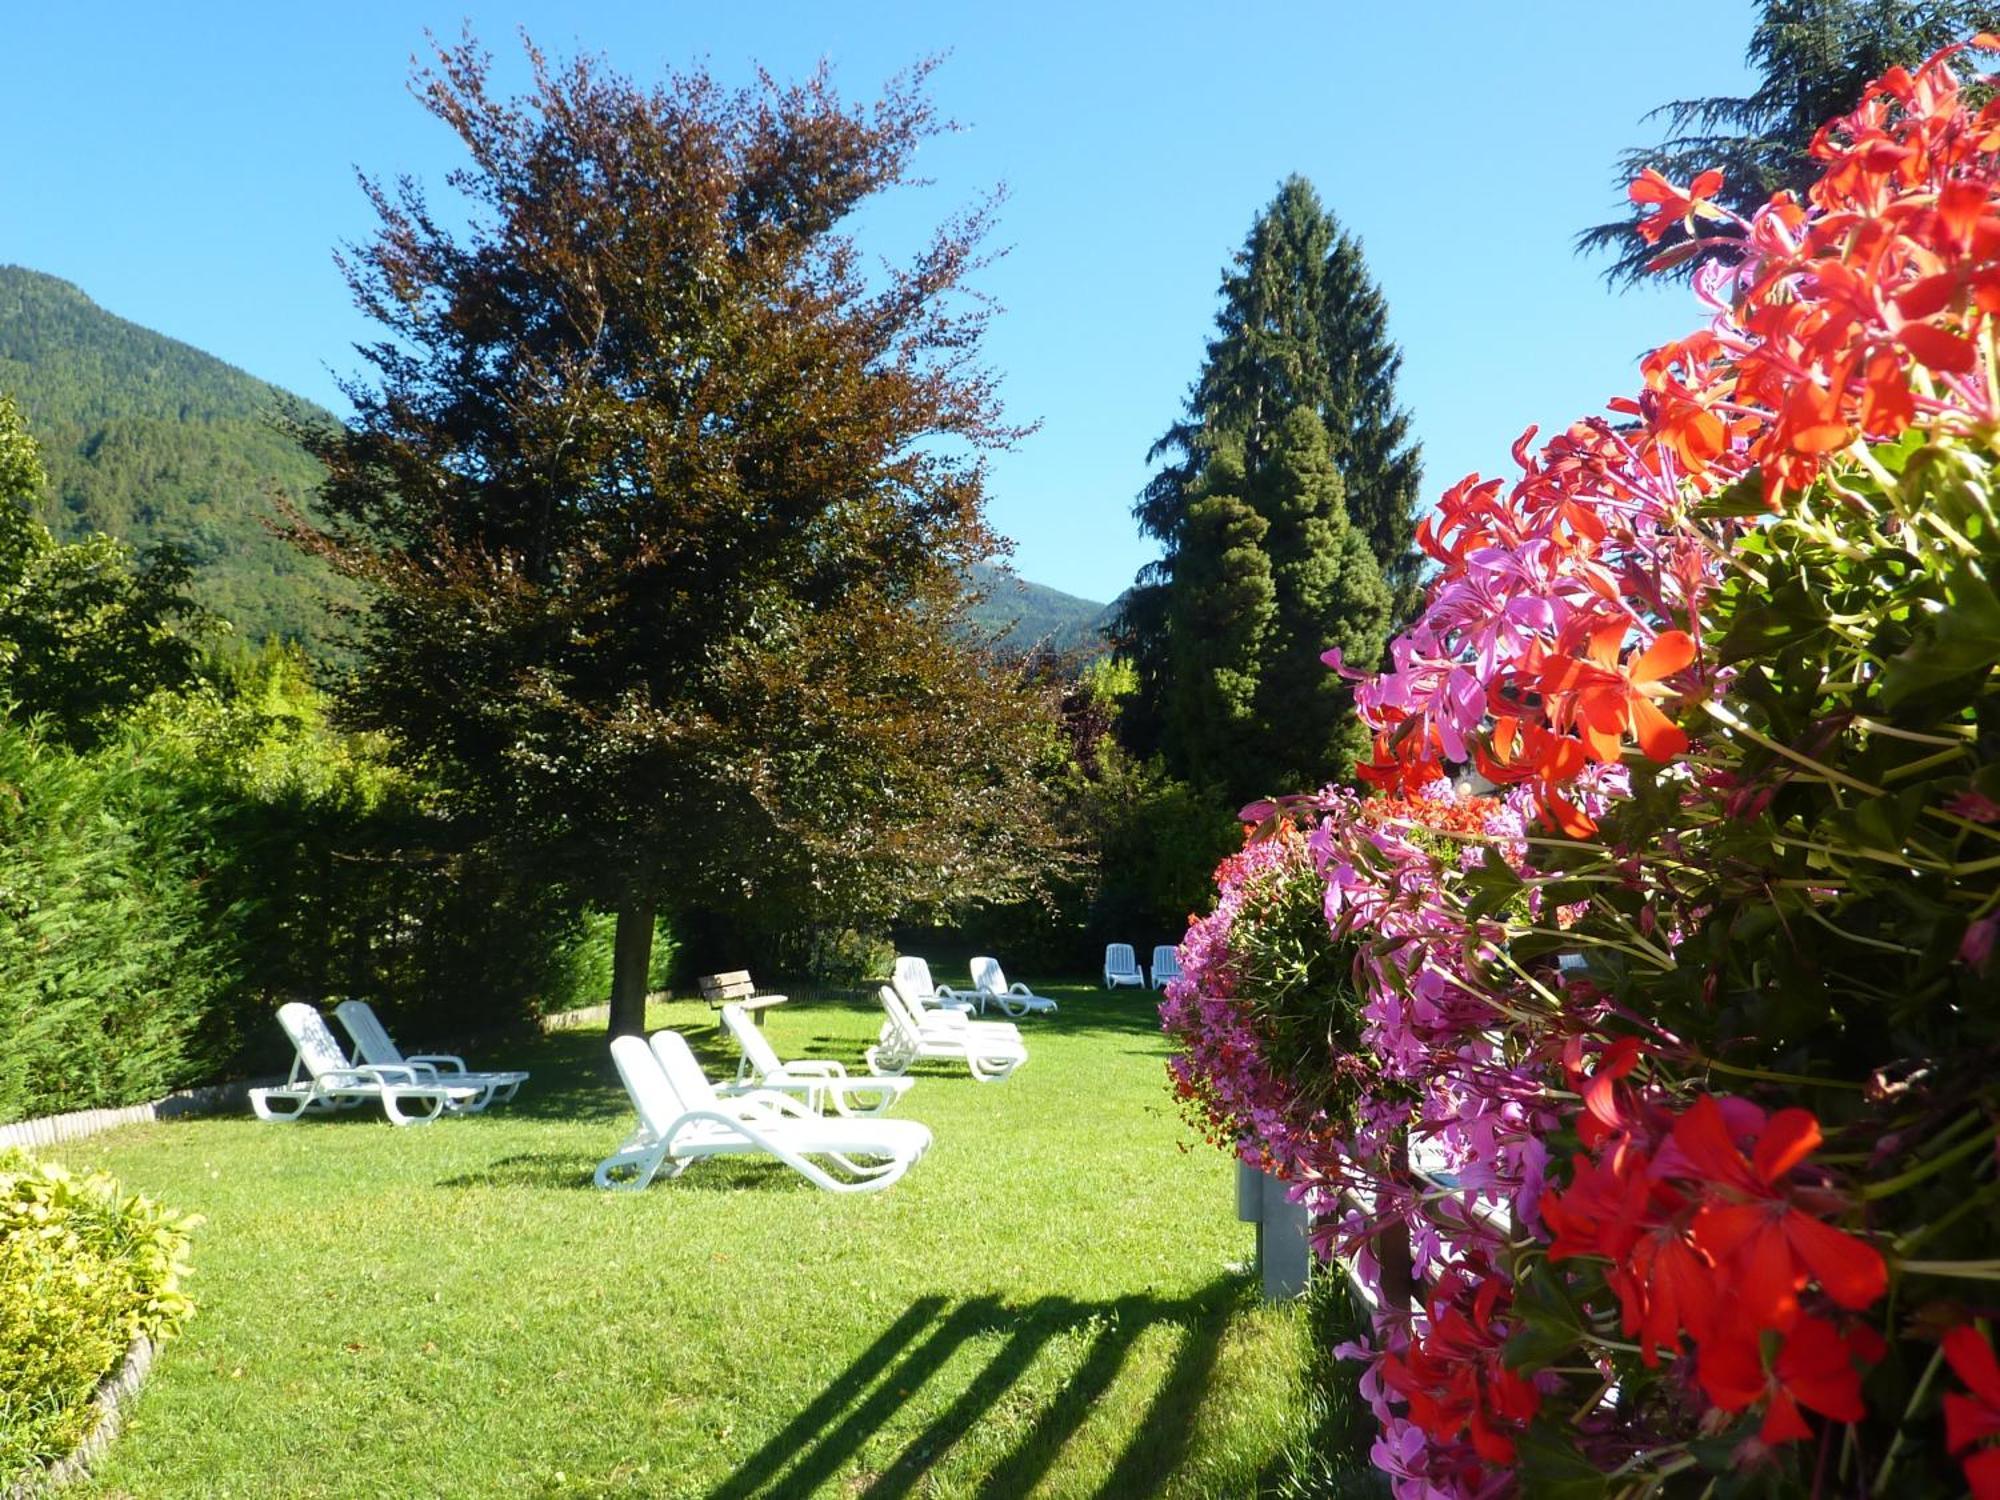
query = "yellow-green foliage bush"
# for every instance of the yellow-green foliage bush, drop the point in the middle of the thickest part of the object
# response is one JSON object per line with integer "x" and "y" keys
{"x": 84, "y": 1270}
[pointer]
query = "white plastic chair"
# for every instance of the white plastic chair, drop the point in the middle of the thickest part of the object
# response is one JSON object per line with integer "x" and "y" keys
{"x": 912, "y": 979}
{"x": 815, "y": 1084}
{"x": 990, "y": 1052}
{"x": 1166, "y": 965}
{"x": 1121, "y": 966}
{"x": 373, "y": 1044}
{"x": 681, "y": 1120}
{"x": 323, "y": 1079}
{"x": 991, "y": 986}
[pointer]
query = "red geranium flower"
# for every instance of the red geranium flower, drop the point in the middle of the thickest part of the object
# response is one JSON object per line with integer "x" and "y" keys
{"x": 1817, "y": 1368}
{"x": 1754, "y": 1232}
{"x": 1970, "y": 1420}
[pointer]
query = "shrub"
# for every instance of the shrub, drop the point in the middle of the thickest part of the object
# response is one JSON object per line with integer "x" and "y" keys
{"x": 84, "y": 1271}
{"x": 108, "y": 968}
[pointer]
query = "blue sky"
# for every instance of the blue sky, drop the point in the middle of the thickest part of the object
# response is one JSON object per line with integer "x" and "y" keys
{"x": 191, "y": 168}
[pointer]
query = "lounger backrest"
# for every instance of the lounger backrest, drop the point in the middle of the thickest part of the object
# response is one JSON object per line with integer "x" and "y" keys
{"x": 987, "y": 978}
{"x": 317, "y": 1049}
{"x": 912, "y": 998}
{"x": 684, "y": 1074}
{"x": 900, "y": 1015}
{"x": 647, "y": 1084}
{"x": 371, "y": 1039}
{"x": 756, "y": 1051}
{"x": 1119, "y": 959}
{"x": 913, "y": 978}
{"x": 1166, "y": 960}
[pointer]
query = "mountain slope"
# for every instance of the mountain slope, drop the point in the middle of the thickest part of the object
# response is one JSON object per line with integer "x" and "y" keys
{"x": 1027, "y": 613}
{"x": 152, "y": 440}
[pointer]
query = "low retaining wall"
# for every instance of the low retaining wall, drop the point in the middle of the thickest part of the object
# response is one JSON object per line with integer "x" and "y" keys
{"x": 113, "y": 1398}
{"x": 53, "y": 1130}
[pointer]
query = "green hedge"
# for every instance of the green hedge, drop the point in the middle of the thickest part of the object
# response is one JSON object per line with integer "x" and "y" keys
{"x": 84, "y": 1270}
{"x": 226, "y": 851}
{"x": 108, "y": 962}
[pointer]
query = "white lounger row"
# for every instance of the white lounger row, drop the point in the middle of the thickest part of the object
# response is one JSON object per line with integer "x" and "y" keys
{"x": 1121, "y": 966}
{"x": 682, "y": 1119}
{"x": 323, "y": 1079}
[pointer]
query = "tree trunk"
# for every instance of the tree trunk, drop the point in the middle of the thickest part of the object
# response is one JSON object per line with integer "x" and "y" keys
{"x": 631, "y": 956}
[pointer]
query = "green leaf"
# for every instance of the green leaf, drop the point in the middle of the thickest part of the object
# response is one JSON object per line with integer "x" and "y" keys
{"x": 1552, "y": 1469}
{"x": 1743, "y": 498}
{"x": 1964, "y": 640}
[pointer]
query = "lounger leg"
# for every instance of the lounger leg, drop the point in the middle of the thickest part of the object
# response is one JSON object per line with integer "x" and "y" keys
{"x": 640, "y": 1155}
{"x": 392, "y": 1107}
{"x": 263, "y": 1107}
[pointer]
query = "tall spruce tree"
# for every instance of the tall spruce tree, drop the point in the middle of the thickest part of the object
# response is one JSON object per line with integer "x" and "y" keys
{"x": 1302, "y": 323}
{"x": 1219, "y": 612}
{"x": 1329, "y": 595}
{"x": 1271, "y": 575}
{"x": 1812, "y": 59}
{"x": 1298, "y": 394}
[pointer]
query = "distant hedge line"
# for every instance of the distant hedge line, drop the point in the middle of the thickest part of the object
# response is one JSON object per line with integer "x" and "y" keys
{"x": 162, "y": 893}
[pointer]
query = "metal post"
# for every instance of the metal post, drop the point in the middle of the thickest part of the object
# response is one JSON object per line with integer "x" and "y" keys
{"x": 1284, "y": 1241}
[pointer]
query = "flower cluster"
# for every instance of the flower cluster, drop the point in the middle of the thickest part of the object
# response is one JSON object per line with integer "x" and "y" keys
{"x": 1643, "y": 1084}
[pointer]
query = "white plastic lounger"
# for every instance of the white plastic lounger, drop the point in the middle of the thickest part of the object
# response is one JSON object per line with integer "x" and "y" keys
{"x": 1121, "y": 966}
{"x": 1166, "y": 965}
{"x": 991, "y": 988}
{"x": 681, "y": 1121}
{"x": 912, "y": 980}
{"x": 372, "y": 1043}
{"x": 989, "y": 1052}
{"x": 323, "y": 1079}
{"x": 948, "y": 1021}
{"x": 816, "y": 1084}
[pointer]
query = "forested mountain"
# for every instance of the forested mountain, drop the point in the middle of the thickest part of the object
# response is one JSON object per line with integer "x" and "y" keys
{"x": 152, "y": 440}
{"x": 1036, "y": 612}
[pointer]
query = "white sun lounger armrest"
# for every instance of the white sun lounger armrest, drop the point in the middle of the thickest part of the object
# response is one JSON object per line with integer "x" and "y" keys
{"x": 813, "y": 1068}
{"x": 770, "y": 1101}
{"x": 435, "y": 1058}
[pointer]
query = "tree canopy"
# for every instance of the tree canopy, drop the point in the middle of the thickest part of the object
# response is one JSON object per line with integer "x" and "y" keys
{"x": 88, "y": 629}
{"x": 1812, "y": 59}
{"x": 665, "y": 503}
{"x": 1286, "y": 511}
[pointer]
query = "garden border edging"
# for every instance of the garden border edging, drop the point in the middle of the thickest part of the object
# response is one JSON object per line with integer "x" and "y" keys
{"x": 112, "y": 1400}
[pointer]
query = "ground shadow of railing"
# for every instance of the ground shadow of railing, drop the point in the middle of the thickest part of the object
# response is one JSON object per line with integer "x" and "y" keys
{"x": 809, "y": 1451}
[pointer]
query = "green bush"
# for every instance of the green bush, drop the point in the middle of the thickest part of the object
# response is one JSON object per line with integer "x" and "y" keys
{"x": 84, "y": 1270}
{"x": 108, "y": 955}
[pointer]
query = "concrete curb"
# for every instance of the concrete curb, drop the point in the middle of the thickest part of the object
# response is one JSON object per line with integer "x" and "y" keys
{"x": 113, "y": 1401}
{"x": 53, "y": 1130}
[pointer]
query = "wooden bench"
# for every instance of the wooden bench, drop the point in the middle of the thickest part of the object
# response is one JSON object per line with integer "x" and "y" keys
{"x": 735, "y": 986}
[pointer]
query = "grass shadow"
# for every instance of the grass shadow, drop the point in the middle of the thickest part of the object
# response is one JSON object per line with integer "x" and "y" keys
{"x": 810, "y": 1450}
{"x": 535, "y": 1169}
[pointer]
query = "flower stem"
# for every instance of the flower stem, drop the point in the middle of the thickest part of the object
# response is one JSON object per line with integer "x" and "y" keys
{"x": 1923, "y": 1170}
{"x": 1881, "y": 1485}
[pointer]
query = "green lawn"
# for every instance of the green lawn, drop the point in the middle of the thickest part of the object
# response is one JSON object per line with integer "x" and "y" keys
{"x": 1044, "y": 1305}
